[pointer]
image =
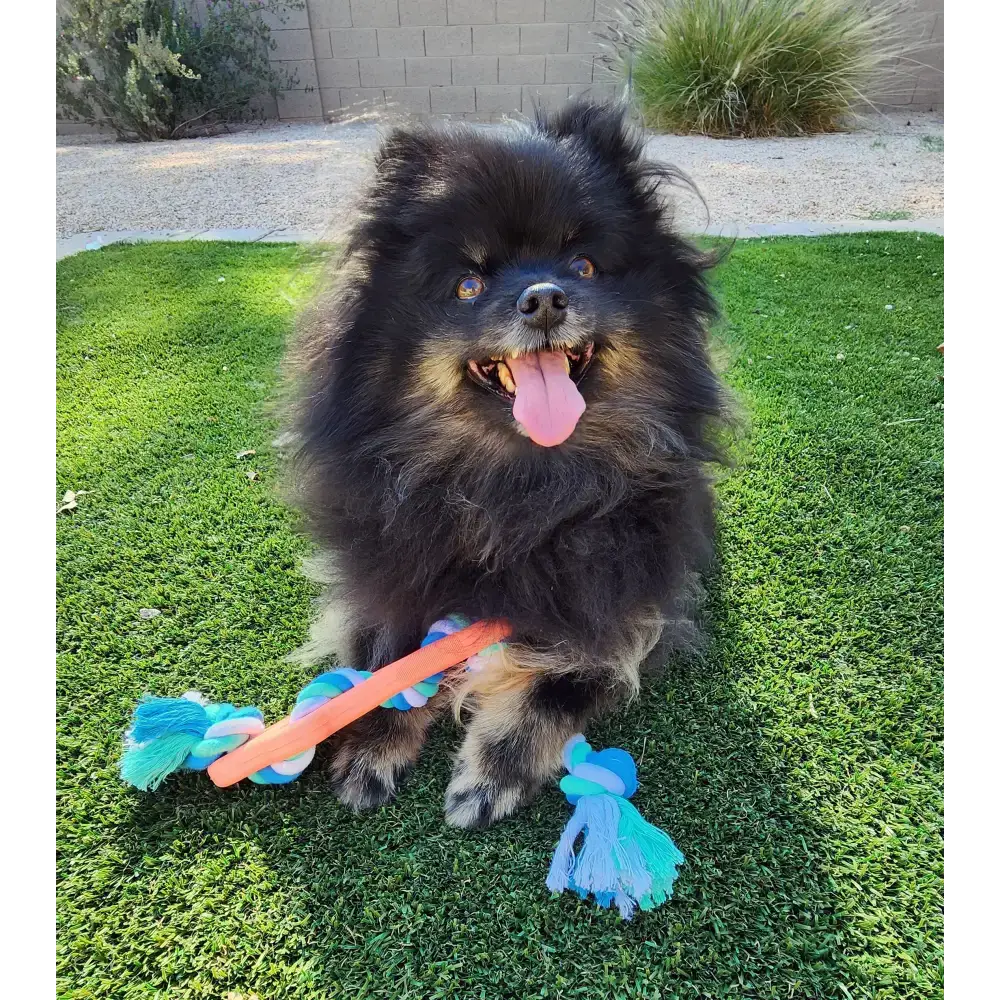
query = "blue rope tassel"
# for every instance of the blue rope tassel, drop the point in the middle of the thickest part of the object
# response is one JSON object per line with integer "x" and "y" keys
{"x": 623, "y": 859}
{"x": 171, "y": 734}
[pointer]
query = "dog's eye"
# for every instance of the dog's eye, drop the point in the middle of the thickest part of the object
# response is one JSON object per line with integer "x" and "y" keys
{"x": 469, "y": 287}
{"x": 582, "y": 267}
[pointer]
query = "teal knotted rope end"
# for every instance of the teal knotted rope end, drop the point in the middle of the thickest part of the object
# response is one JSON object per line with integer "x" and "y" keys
{"x": 168, "y": 734}
{"x": 162, "y": 735}
{"x": 623, "y": 860}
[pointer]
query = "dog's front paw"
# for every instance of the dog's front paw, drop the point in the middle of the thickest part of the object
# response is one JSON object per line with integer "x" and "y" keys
{"x": 364, "y": 782}
{"x": 474, "y": 802}
{"x": 371, "y": 759}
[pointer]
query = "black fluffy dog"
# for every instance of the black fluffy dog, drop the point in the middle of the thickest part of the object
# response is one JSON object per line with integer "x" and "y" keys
{"x": 507, "y": 415}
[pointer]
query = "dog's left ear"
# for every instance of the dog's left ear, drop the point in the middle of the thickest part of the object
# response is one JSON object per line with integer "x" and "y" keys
{"x": 602, "y": 127}
{"x": 608, "y": 135}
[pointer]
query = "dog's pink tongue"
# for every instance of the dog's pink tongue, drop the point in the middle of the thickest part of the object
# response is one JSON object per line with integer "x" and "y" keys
{"x": 547, "y": 404}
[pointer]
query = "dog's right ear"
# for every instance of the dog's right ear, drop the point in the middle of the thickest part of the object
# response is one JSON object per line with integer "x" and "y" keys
{"x": 403, "y": 158}
{"x": 404, "y": 150}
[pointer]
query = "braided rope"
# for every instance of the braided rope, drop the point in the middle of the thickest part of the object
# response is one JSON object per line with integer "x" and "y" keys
{"x": 172, "y": 733}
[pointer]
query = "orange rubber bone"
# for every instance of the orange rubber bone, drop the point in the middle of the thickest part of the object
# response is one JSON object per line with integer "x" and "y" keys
{"x": 287, "y": 738}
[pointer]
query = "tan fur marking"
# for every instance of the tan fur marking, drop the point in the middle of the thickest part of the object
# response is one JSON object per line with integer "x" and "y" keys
{"x": 437, "y": 375}
{"x": 518, "y": 665}
{"x": 621, "y": 360}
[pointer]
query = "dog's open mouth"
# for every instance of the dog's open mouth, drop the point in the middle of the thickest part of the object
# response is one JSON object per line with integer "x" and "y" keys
{"x": 495, "y": 374}
{"x": 542, "y": 387}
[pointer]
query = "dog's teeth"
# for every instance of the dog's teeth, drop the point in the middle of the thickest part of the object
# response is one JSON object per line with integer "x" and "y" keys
{"x": 506, "y": 379}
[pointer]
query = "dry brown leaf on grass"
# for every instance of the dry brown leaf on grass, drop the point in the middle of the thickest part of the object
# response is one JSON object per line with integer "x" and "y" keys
{"x": 940, "y": 348}
{"x": 247, "y": 453}
{"x": 69, "y": 500}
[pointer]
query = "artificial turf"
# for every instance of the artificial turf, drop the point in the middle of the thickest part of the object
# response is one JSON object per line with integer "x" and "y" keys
{"x": 797, "y": 762}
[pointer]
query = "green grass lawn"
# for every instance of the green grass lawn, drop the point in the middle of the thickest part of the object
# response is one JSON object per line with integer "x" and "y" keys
{"x": 797, "y": 763}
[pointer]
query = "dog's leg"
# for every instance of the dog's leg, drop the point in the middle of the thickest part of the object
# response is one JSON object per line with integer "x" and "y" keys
{"x": 514, "y": 745}
{"x": 515, "y": 739}
{"x": 373, "y": 755}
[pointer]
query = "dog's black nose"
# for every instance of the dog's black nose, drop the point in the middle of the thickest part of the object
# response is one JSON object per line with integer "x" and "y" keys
{"x": 543, "y": 304}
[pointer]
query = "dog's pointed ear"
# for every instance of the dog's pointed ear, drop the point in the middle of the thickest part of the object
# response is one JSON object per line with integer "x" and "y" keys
{"x": 403, "y": 157}
{"x": 603, "y": 127}
{"x": 404, "y": 150}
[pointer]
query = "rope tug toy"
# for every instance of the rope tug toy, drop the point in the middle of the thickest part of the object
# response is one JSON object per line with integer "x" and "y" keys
{"x": 623, "y": 860}
{"x": 172, "y": 734}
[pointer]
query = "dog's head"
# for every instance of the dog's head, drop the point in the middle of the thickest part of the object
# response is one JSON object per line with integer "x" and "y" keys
{"x": 520, "y": 294}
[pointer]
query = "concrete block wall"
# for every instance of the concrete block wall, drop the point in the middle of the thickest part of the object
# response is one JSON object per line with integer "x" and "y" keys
{"x": 484, "y": 59}
{"x": 475, "y": 59}
{"x": 916, "y": 79}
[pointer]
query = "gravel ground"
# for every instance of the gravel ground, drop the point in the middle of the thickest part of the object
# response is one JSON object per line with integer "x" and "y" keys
{"x": 308, "y": 176}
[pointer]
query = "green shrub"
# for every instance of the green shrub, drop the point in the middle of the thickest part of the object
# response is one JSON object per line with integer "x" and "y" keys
{"x": 154, "y": 69}
{"x": 753, "y": 67}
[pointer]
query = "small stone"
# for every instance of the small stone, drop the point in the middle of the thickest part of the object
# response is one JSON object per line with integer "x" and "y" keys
{"x": 840, "y": 357}
{"x": 221, "y": 279}
{"x": 889, "y": 308}
{"x": 147, "y": 613}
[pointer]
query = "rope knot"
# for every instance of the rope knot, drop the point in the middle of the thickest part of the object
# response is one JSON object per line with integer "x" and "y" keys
{"x": 597, "y": 772}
